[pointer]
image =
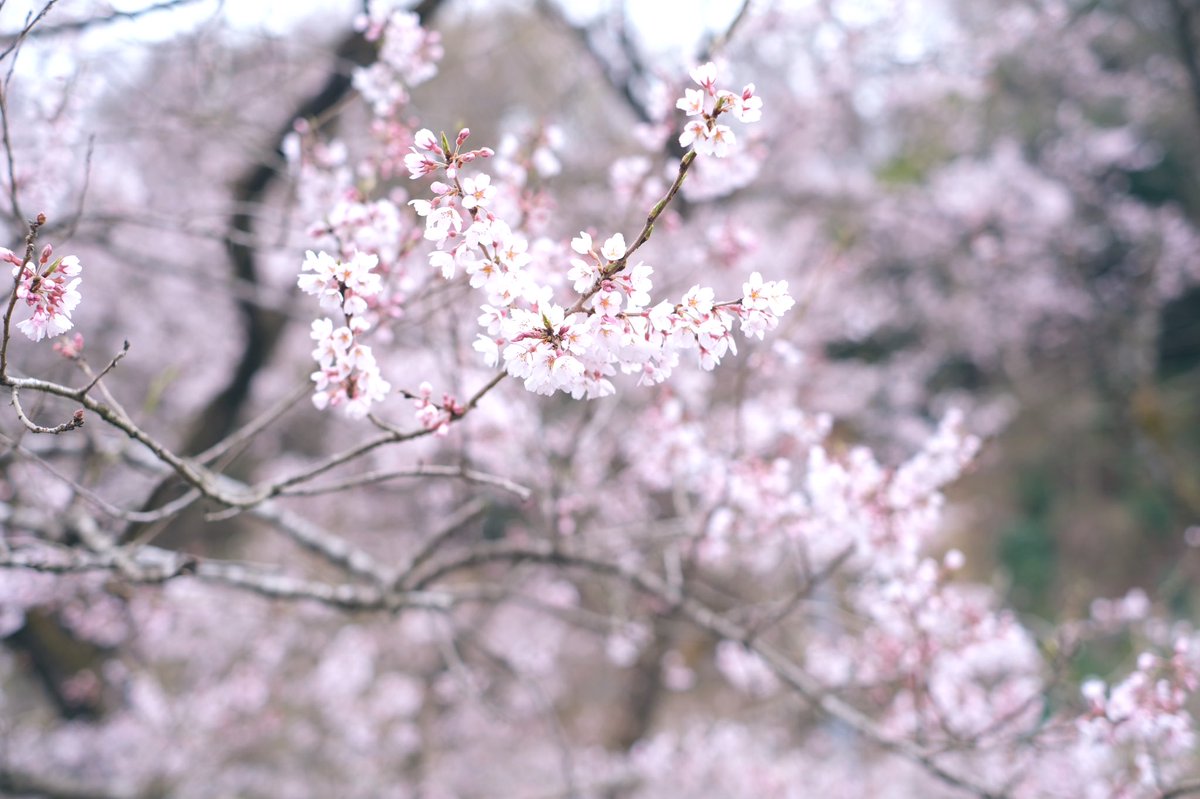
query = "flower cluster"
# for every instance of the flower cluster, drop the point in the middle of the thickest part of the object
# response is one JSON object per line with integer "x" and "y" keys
{"x": 1147, "y": 711}
{"x": 763, "y": 304}
{"x": 703, "y": 133}
{"x": 549, "y": 349}
{"x": 576, "y": 348}
{"x": 341, "y": 285}
{"x": 552, "y": 349}
{"x": 408, "y": 54}
{"x": 348, "y": 375}
{"x": 48, "y": 289}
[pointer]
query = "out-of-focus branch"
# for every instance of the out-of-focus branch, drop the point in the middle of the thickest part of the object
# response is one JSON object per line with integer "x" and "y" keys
{"x": 14, "y": 40}
{"x": 718, "y": 42}
{"x": 263, "y": 328}
{"x": 423, "y": 470}
{"x": 152, "y": 565}
{"x": 700, "y": 614}
{"x": 87, "y": 23}
{"x": 623, "y": 82}
{"x": 430, "y": 548}
{"x": 1189, "y": 788}
{"x": 315, "y": 539}
{"x": 14, "y": 201}
{"x": 391, "y": 436}
{"x": 1184, "y": 18}
{"x": 15, "y": 782}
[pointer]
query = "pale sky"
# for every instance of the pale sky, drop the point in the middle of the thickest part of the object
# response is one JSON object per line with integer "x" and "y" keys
{"x": 664, "y": 24}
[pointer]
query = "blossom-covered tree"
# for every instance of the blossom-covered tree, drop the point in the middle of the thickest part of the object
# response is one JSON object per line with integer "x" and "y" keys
{"x": 365, "y": 452}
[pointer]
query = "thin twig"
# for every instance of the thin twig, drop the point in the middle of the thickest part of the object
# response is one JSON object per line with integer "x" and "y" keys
{"x": 83, "y": 191}
{"x": 92, "y": 22}
{"x": 435, "y": 541}
{"x": 112, "y": 364}
{"x": 1189, "y": 788}
{"x": 424, "y": 470}
{"x": 16, "y": 39}
{"x": 393, "y": 435}
{"x": 643, "y": 236}
{"x": 784, "y": 667}
{"x": 255, "y": 426}
{"x": 721, "y": 41}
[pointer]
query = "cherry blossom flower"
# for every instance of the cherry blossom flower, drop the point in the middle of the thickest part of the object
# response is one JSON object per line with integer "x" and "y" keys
{"x": 614, "y": 247}
{"x": 706, "y": 76}
{"x": 477, "y": 191}
{"x": 747, "y": 107}
{"x": 695, "y": 131}
{"x": 692, "y": 102}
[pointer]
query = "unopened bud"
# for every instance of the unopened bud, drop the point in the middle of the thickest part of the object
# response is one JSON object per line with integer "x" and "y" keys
{"x": 462, "y": 137}
{"x": 41, "y": 219}
{"x": 78, "y": 418}
{"x": 47, "y": 251}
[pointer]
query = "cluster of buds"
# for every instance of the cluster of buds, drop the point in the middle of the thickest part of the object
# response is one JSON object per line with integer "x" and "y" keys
{"x": 431, "y": 154}
{"x": 435, "y": 416}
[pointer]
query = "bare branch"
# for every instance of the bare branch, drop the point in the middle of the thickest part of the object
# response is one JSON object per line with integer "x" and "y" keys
{"x": 111, "y": 365}
{"x": 784, "y": 667}
{"x": 423, "y": 470}
{"x": 15, "y": 40}
{"x": 152, "y": 565}
{"x": 1184, "y": 28}
{"x": 16, "y": 782}
{"x": 436, "y": 540}
{"x": 88, "y": 23}
{"x": 74, "y": 423}
{"x": 1190, "y": 788}
{"x": 721, "y": 41}
{"x": 313, "y": 538}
